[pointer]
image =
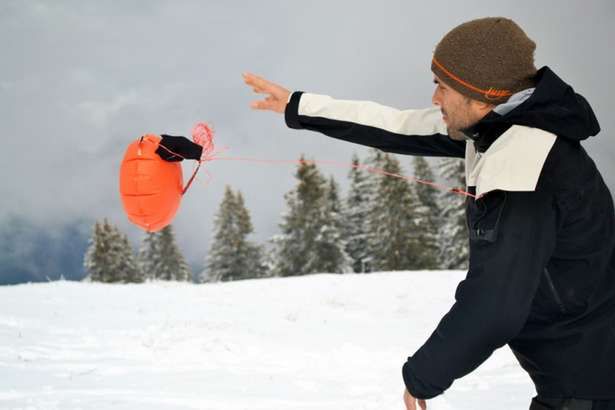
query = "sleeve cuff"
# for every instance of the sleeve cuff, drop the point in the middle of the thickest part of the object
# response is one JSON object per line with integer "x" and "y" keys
{"x": 291, "y": 113}
{"x": 415, "y": 386}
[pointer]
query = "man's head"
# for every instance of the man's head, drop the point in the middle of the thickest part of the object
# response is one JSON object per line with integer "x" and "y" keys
{"x": 478, "y": 65}
{"x": 458, "y": 111}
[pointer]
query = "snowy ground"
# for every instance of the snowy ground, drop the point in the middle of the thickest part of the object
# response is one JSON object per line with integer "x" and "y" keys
{"x": 331, "y": 342}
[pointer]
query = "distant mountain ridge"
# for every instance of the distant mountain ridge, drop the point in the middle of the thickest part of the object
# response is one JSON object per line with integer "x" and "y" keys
{"x": 33, "y": 253}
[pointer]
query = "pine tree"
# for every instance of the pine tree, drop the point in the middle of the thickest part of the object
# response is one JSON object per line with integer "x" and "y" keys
{"x": 249, "y": 255}
{"x": 148, "y": 257}
{"x": 160, "y": 257}
{"x": 232, "y": 256}
{"x": 357, "y": 213}
{"x": 294, "y": 247}
{"x": 310, "y": 240}
{"x": 427, "y": 216}
{"x": 453, "y": 232}
{"x": 109, "y": 257}
{"x": 127, "y": 270}
{"x": 94, "y": 263}
{"x": 329, "y": 252}
{"x": 394, "y": 241}
{"x": 219, "y": 265}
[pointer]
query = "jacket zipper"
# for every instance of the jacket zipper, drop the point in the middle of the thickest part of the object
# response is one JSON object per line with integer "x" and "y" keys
{"x": 558, "y": 300}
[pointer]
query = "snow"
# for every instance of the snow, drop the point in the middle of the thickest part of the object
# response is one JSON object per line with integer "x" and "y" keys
{"x": 303, "y": 343}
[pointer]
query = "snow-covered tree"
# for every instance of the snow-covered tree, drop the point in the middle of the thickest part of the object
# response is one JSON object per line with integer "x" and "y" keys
{"x": 357, "y": 214}
{"x": 330, "y": 243}
{"x": 294, "y": 246}
{"x": 310, "y": 240}
{"x": 249, "y": 254}
{"x": 427, "y": 216}
{"x": 148, "y": 256}
{"x": 232, "y": 256}
{"x": 127, "y": 264}
{"x": 94, "y": 260}
{"x": 219, "y": 264}
{"x": 109, "y": 257}
{"x": 160, "y": 257}
{"x": 453, "y": 232}
{"x": 394, "y": 241}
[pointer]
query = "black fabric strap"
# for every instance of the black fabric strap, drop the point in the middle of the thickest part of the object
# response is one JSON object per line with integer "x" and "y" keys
{"x": 544, "y": 403}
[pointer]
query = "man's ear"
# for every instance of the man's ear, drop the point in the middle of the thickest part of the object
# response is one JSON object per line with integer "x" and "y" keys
{"x": 482, "y": 107}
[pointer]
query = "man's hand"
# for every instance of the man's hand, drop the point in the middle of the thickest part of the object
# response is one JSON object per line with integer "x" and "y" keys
{"x": 277, "y": 96}
{"x": 410, "y": 402}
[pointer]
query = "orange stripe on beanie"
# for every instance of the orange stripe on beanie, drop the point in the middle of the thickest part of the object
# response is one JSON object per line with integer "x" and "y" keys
{"x": 491, "y": 93}
{"x": 487, "y": 59}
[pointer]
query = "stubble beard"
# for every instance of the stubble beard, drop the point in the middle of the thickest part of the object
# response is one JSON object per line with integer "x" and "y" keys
{"x": 456, "y": 134}
{"x": 461, "y": 120}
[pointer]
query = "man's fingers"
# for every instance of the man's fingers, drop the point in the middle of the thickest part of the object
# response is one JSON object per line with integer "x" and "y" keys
{"x": 258, "y": 90}
{"x": 259, "y": 105}
{"x": 422, "y": 404}
{"x": 409, "y": 401}
{"x": 263, "y": 105}
{"x": 262, "y": 86}
{"x": 276, "y": 96}
{"x": 257, "y": 83}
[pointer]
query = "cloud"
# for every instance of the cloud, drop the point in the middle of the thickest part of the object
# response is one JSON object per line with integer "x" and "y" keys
{"x": 98, "y": 113}
{"x": 80, "y": 80}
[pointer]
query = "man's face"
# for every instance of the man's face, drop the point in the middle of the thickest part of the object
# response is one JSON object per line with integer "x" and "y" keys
{"x": 458, "y": 111}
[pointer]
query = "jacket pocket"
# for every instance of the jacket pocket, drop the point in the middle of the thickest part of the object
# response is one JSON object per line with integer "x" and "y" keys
{"x": 554, "y": 292}
{"x": 483, "y": 216}
{"x": 548, "y": 304}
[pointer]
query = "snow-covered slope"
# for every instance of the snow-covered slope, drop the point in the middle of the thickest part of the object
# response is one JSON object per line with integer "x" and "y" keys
{"x": 330, "y": 342}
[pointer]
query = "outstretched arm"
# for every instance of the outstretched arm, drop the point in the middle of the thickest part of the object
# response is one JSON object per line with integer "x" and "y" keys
{"x": 412, "y": 132}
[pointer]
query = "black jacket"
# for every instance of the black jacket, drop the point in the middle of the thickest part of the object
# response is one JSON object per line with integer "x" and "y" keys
{"x": 541, "y": 275}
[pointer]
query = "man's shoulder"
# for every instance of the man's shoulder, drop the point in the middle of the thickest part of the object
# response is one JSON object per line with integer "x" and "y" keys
{"x": 513, "y": 162}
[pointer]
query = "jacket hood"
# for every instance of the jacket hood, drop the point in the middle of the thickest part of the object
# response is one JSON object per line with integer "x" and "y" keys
{"x": 553, "y": 107}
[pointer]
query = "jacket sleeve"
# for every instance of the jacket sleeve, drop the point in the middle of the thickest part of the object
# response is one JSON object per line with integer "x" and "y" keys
{"x": 412, "y": 132}
{"x": 512, "y": 235}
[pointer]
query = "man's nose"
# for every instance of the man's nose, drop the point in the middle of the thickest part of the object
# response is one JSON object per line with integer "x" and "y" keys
{"x": 434, "y": 98}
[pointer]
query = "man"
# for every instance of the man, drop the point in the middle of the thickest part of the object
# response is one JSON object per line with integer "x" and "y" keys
{"x": 541, "y": 273}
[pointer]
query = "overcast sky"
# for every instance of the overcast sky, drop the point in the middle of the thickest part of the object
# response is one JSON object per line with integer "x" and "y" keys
{"x": 81, "y": 80}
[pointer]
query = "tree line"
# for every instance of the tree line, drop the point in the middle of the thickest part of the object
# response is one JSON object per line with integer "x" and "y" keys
{"x": 384, "y": 223}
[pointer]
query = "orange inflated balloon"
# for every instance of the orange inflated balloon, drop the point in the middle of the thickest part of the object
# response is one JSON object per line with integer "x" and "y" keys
{"x": 150, "y": 187}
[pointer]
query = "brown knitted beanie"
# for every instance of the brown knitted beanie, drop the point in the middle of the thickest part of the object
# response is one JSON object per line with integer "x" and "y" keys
{"x": 487, "y": 59}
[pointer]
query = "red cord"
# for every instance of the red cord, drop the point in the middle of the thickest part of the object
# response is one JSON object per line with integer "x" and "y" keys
{"x": 202, "y": 134}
